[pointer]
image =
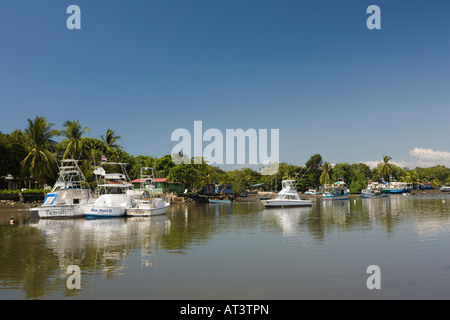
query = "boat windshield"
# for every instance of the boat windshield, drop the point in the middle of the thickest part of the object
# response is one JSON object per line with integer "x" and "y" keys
{"x": 286, "y": 197}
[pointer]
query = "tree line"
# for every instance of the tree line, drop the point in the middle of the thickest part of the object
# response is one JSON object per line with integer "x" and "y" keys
{"x": 32, "y": 157}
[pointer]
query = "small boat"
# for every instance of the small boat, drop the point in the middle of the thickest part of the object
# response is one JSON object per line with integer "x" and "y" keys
{"x": 219, "y": 201}
{"x": 445, "y": 188}
{"x": 373, "y": 190}
{"x": 287, "y": 197}
{"x": 70, "y": 194}
{"x": 149, "y": 201}
{"x": 115, "y": 191}
{"x": 313, "y": 192}
{"x": 336, "y": 191}
{"x": 370, "y": 193}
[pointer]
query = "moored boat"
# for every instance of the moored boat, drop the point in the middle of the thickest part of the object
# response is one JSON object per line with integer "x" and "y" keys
{"x": 445, "y": 188}
{"x": 313, "y": 192}
{"x": 149, "y": 201}
{"x": 373, "y": 190}
{"x": 115, "y": 194}
{"x": 336, "y": 191}
{"x": 70, "y": 194}
{"x": 219, "y": 201}
{"x": 396, "y": 187}
{"x": 287, "y": 197}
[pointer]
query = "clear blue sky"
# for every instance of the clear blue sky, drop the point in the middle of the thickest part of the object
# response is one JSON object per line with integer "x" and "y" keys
{"x": 311, "y": 69}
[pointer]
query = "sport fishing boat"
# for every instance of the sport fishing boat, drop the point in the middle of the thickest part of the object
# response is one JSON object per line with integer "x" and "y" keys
{"x": 149, "y": 201}
{"x": 115, "y": 192}
{"x": 287, "y": 197}
{"x": 336, "y": 191}
{"x": 70, "y": 194}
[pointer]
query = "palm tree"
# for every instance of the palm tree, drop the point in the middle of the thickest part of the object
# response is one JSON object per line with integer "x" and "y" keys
{"x": 325, "y": 176}
{"x": 40, "y": 161}
{"x": 73, "y": 144}
{"x": 110, "y": 139}
{"x": 386, "y": 168}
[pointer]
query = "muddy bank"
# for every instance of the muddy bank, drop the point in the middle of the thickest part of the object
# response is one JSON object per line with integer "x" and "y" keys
{"x": 24, "y": 200}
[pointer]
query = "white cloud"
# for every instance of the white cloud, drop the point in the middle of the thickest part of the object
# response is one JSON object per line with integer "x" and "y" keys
{"x": 371, "y": 164}
{"x": 418, "y": 157}
{"x": 438, "y": 157}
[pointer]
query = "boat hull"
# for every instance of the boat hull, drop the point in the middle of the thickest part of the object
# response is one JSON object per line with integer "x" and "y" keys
{"x": 104, "y": 212}
{"x": 370, "y": 196}
{"x": 219, "y": 201}
{"x": 60, "y": 211}
{"x": 287, "y": 203}
{"x": 135, "y": 212}
{"x": 146, "y": 211}
{"x": 335, "y": 197}
{"x": 394, "y": 190}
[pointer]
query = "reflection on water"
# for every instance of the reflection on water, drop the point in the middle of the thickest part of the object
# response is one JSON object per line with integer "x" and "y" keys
{"x": 35, "y": 253}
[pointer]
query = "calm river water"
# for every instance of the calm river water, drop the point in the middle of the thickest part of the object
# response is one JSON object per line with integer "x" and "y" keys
{"x": 235, "y": 251}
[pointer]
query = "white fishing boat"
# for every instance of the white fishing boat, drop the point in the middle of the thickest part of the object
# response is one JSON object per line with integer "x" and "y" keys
{"x": 336, "y": 191}
{"x": 287, "y": 197}
{"x": 70, "y": 194}
{"x": 373, "y": 190}
{"x": 313, "y": 192}
{"x": 115, "y": 192}
{"x": 149, "y": 201}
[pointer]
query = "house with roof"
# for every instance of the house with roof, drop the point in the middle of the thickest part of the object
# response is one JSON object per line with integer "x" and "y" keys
{"x": 163, "y": 185}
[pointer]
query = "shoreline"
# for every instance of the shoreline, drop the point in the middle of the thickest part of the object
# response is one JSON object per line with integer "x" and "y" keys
{"x": 182, "y": 199}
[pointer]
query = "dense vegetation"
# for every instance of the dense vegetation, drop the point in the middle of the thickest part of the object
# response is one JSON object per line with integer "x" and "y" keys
{"x": 31, "y": 156}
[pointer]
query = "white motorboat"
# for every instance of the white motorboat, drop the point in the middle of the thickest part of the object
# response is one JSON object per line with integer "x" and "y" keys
{"x": 313, "y": 192}
{"x": 287, "y": 197}
{"x": 373, "y": 190}
{"x": 445, "y": 188}
{"x": 115, "y": 193}
{"x": 70, "y": 194}
{"x": 148, "y": 201}
{"x": 337, "y": 191}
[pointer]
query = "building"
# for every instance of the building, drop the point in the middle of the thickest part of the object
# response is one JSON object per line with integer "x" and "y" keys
{"x": 8, "y": 182}
{"x": 163, "y": 185}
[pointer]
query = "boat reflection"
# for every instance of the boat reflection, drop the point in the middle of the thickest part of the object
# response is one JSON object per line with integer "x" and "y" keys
{"x": 287, "y": 219}
{"x": 103, "y": 244}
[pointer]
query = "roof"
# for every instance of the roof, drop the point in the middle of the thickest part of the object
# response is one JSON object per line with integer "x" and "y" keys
{"x": 139, "y": 180}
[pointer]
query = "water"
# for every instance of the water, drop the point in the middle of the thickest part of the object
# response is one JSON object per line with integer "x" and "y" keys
{"x": 235, "y": 251}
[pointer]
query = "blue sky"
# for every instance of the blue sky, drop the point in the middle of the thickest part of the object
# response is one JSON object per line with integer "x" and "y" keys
{"x": 311, "y": 69}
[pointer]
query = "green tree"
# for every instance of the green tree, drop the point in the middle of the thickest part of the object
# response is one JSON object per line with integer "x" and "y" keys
{"x": 325, "y": 177}
{"x": 40, "y": 161}
{"x": 13, "y": 150}
{"x": 73, "y": 144}
{"x": 163, "y": 166}
{"x": 110, "y": 139}
{"x": 184, "y": 173}
{"x": 313, "y": 165}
